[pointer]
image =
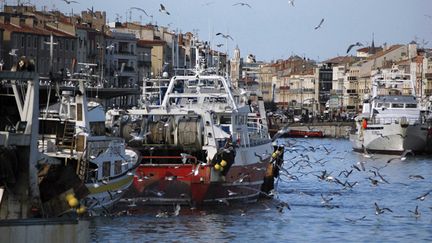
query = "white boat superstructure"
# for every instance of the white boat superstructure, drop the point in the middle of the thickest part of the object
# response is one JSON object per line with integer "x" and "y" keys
{"x": 73, "y": 131}
{"x": 205, "y": 139}
{"x": 392, "y": 120}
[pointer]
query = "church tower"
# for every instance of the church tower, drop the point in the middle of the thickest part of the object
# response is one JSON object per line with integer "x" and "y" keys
{"x": 235, "y": 71}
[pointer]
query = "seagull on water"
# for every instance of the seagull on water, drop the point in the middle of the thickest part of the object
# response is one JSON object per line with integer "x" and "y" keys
{"x": 423, "y": 197}
{"x": 162, "y": 9}
{"x": 242, "y": 4}
{"x": 225, "y": 36}
{"x": 416, "y": 177}
{"x": 352, "y": 45}
{"x": 319, "y": 25}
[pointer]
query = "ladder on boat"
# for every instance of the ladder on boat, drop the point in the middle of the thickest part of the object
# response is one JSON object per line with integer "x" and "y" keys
{"x": 82, "y": 169}
{"x": 67, "y": 140}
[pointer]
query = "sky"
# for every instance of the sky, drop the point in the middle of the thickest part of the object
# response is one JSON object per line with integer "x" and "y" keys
{"x": 273, "y": 29}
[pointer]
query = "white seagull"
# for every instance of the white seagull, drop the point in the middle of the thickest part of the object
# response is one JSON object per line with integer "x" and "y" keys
{"x": 319, "y": 25}
{"x": 291, "y": 2}
{"x": 162, "y": 9}
{"x": 69, "y": 2}
{"x": 225, "y": 36}
{"x": 242, "y": 4}
{"x": 13, "y": 52}
{"x": 352, "y": 45}
{"x": 140, "y": 9}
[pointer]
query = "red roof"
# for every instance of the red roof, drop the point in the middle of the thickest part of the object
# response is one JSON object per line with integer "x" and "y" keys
{"x": 340, "y": 60}
{"x": 33, "y": 30}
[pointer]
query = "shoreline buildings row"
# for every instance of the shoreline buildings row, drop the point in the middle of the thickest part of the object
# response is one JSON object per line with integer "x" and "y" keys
{"x": 339, "y": 84}
{"x": 125, "y": 54}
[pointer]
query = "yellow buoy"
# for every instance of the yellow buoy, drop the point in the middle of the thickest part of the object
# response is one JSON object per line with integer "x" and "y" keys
{"x": 223, "y": 163}
{"x": 82, "y": 209}
{"x": 69, "y": 196}
{"x": 217, "y": 167}
{"x": 73, "y": 202}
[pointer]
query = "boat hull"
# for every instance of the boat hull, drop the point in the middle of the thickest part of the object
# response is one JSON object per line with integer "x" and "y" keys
{"x": 103, "y": 197}
{"x": 167, "y": 184}
{"x": 390, "y": 138}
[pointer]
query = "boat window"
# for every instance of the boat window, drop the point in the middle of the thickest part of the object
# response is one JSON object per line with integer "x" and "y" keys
{"x": 225, "y": 120}
{"x": 410, "y": 105}
{"x": 106, "y": 169}
{"x": 379, "y": 105}
{"x": 97, "y": 128}
{"x": 79, "y": 112}
{"x": 397, "y": 105}
{"x": 117, "y": 167}
{"x": 386, "y": 105}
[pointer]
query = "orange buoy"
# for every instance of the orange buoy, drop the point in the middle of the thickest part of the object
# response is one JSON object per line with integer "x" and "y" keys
{"x": 364, "y": 123}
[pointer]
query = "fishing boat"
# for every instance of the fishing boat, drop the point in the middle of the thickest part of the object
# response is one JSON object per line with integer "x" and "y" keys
{"x": 206, "y": 142}
{"x": 392, "y": 120}
{"x": 73, "y": 132}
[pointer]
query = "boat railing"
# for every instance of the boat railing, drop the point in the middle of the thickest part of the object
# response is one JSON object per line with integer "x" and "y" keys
{"x": 394, "y": 120}
{"x": 157, "y": 159}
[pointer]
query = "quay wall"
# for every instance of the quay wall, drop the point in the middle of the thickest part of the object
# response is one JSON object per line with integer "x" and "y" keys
{"x": 330, "y": 129}
{"x": 63, "y": 230}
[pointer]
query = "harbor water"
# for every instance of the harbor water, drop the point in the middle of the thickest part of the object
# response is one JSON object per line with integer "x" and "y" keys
{"x": 324, "y": 207}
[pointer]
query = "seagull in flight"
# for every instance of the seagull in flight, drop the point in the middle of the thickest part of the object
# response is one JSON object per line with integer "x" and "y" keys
{"x": 69, "y": 2}
{"x": 225, "y": 36}
{"x": 242, "y": 4}
{"x": 319, "y": 25}
{"x": 219, "y": 45}
{"x": 140, "y": 9}
{"x": 415, "y": 212}
{"x": 208, "y": 3}
{"x": 291, "y": 2}
{"x": 379, "y": 210}
{"x": 352, "y": 45}
{"x": 162, "y": 9}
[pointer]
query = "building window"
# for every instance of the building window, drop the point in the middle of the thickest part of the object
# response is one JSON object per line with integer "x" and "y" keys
{"x": 22, "y": 41}
{"x": 117, "y": 167}
{"x": 106, "y": 169}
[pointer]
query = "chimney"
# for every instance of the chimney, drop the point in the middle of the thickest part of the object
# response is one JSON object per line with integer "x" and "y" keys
{"x": 412, "y": 50}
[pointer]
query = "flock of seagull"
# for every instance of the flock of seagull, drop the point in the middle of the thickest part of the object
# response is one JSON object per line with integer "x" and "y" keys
{"x": 299, "y": 162}
{"x": 302, "y": 164}
{"x": 163, "y": 9}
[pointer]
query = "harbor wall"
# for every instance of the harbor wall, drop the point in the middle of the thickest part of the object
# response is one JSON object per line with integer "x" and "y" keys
{"x": 44, "y": 230}
{"x": 330, "y": 129}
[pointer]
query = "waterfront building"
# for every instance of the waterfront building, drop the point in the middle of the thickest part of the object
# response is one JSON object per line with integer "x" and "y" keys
{"x": 121, "y": 59}
{"x": 27, "y": 37}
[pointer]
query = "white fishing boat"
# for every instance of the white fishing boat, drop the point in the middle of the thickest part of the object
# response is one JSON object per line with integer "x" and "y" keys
{"x": 206, "y": 142}
{"x": 73, "y": 132}
{"x": 392, "y": 120}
